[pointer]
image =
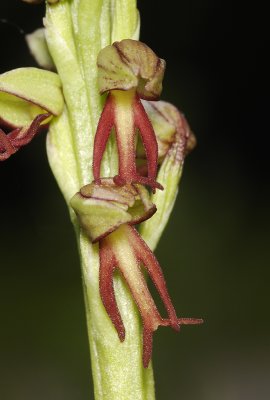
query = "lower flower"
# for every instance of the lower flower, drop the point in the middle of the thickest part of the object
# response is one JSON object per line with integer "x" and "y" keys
{"x": 122, "y": 248}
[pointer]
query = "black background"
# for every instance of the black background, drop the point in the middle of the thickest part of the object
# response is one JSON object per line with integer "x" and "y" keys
{"x": 215, "y": 251}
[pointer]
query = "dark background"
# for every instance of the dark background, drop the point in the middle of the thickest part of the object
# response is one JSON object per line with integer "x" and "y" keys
{"x": 215, "y": 251}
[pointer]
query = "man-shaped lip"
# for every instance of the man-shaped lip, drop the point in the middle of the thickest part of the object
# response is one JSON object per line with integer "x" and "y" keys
{"x": 126, "y": 251}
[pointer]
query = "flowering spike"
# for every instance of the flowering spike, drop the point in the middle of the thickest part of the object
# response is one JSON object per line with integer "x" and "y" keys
{"x": 107, "y": 208}
{"x": 129, "y": 70}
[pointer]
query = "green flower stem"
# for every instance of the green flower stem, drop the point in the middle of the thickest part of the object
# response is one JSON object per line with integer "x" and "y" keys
{"x": 75, "y": 32}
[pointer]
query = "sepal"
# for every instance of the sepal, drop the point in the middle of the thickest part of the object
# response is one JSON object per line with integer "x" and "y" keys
{"x": 130, "y": 64}
{"x": 102, "y": 207}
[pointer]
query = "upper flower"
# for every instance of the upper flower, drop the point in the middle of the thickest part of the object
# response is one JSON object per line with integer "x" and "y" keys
{"x": 128, "y": 70}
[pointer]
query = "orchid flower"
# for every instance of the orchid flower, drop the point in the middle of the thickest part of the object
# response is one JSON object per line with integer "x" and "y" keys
{"x": 128, "y": 70}
{"x": 107, "y": 213}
